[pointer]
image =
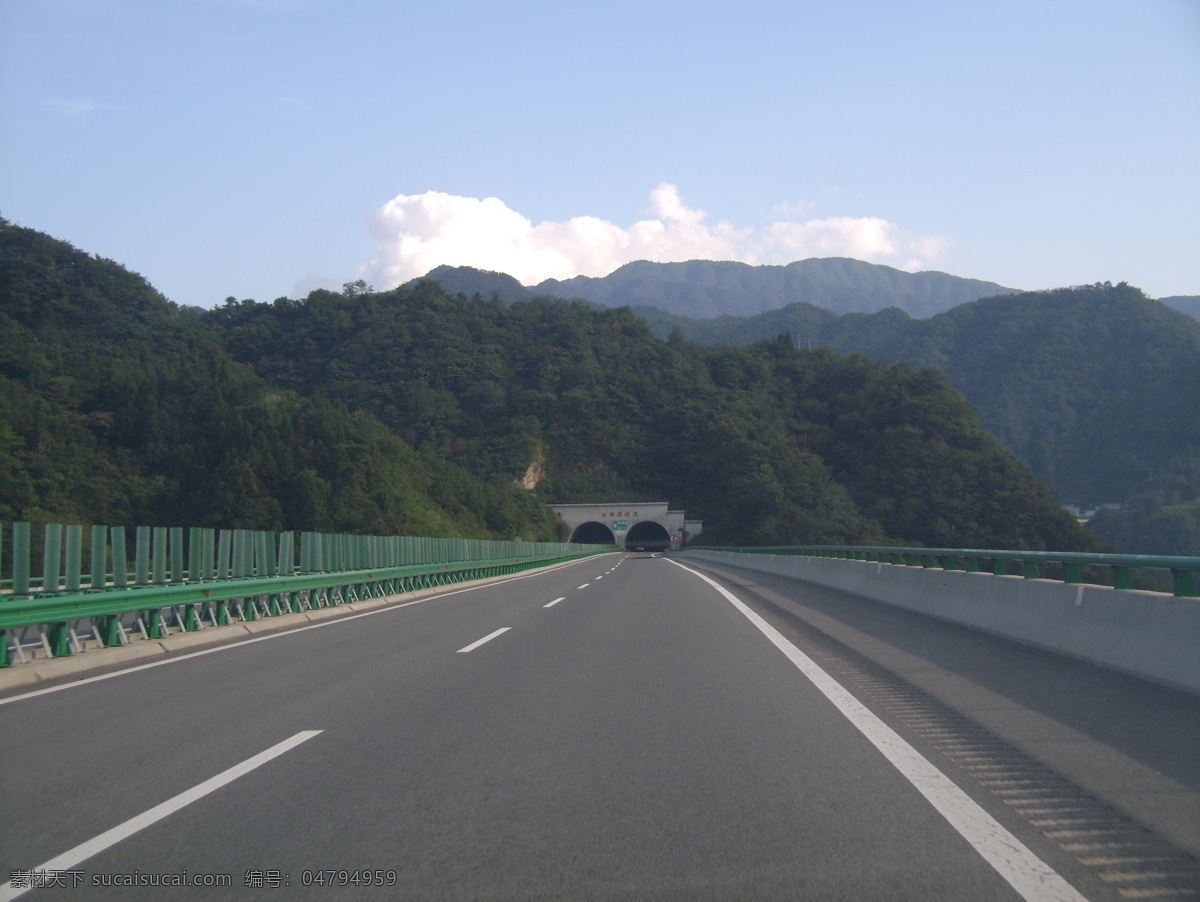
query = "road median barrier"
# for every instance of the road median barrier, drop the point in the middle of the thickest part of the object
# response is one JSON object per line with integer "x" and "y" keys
{"x": 1152, "y": 635}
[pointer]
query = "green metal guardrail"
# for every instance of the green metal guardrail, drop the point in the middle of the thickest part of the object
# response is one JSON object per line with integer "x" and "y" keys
{"x": 1029, "y": 563}
{"x": 230, "y": 574}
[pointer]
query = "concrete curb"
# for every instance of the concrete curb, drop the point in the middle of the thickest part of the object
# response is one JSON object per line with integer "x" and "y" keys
{"x": 1147, "y": 634}
{"x": 45, "y": 669}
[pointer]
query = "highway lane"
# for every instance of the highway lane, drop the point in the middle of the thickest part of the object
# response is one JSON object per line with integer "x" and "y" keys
{"x": 630, "y": 734}
{"x": 1100, "y": 761}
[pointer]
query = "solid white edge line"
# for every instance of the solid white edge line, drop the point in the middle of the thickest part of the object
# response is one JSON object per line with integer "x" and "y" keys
{"x": 556, "y": 601}
{"x": 488, "y": 638}
{"x": 1031, "y": 877}
{"x": 279, "y": 635}
{"x": 84, "y": 851}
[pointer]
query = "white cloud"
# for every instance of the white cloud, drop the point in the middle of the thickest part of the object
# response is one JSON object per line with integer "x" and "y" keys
{"x": 415, "y": 233}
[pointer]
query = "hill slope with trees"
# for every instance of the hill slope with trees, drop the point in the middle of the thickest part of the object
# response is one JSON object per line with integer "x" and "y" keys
{"x": 417, "y": 411}
{"x": 118, "y": 407}
{"x": 766, "y": 443}
{"x": 1094, "y": 387}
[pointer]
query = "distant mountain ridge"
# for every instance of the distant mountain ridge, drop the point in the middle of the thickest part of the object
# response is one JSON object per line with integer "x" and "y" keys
{"x": 1184, "y": 303}
{"x": 471, "y": 281}
{"x": 707, "y": 288}
{"x": 1094, "y": 387}
{"x": 710, "y": 288}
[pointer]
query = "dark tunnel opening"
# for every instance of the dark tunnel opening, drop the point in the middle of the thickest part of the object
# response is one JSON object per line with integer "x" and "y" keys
{"x": 647, "y": 536}
{"x": 593, "y": 533}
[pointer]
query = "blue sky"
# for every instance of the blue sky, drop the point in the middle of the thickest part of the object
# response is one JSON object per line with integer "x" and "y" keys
{"x": 259, "y": 148}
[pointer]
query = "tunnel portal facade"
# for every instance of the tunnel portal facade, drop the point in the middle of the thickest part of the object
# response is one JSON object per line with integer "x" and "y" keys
{"x": 633, "y": 525}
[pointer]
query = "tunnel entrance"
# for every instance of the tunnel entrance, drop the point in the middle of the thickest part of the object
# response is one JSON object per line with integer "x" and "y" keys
{"x": 593, "y": 533}
{"x": 647, "y": 536}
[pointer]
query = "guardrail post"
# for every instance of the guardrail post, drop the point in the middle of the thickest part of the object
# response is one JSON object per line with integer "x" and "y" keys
{"x": 1122, "y": 577}
{"x": 111, "y": 626}
{"x": 155, "y": 627}
{"x": 1072, "y": 572}
{"x": 1031, "y": 569}
{"x": 1185, "y": 583}
{"x": 60, "y": 640}
{"x": 224, "y": 549}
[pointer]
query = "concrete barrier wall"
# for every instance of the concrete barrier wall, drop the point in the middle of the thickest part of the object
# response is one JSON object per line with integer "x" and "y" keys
{"x": 1147, "y": 634}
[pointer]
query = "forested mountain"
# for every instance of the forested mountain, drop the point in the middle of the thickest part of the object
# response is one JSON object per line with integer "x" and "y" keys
{"x": 766, "y": 443}
{"x": 804, "y": 322}
{"x": 117, "y": 407}
{"x": 707, "y": 288}
{"x": 1149, "y": 526}
{"x": 1096, "y": 387}
{"x": 419, "y": 411}
{"x": 1185, "y": 303}
{"x": 471, "y": 281}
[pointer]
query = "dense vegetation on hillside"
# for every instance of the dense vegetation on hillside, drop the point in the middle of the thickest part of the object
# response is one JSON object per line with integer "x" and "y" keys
{"x": 766, "y": 443}
{"x": 418, "y": 411}
{"x": 1096, "y": 387}
{"x": 1185, "y": 303}
{"x": 116, "y": 407}
{"x": 1148, "y": 526}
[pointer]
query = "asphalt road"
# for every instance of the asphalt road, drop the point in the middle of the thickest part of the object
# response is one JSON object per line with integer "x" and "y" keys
{"x": 615, "y": 728}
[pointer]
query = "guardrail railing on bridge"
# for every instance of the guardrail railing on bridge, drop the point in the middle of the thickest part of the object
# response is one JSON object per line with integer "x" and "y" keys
{"x": 229, "y": 575}
{"x": 1030, "y": 564}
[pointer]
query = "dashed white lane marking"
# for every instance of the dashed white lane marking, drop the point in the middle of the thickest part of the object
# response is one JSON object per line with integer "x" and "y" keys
{"x": 270, "y": 637}
{"x": 1031, "y": 877}
{"x": 488, "y": 638}
{"x": 84, "y": 851}
{"x": 584, "y": 586}
{"x": 553, "y": 603}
